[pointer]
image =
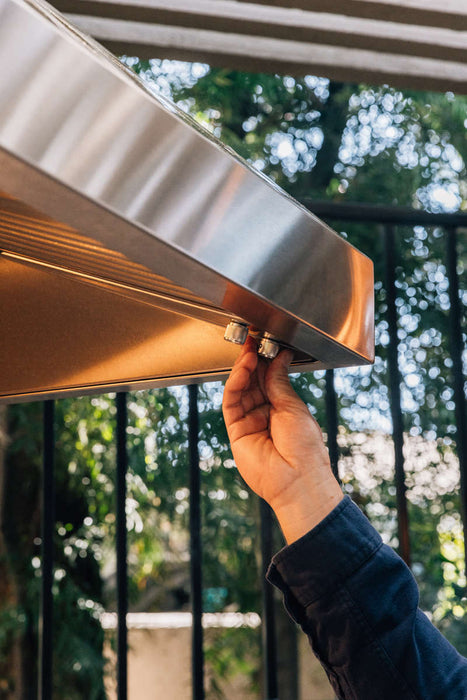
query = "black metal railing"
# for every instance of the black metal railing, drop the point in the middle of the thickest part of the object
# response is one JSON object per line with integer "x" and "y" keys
{"x": 121, "y": 545}
{"x": 48, "y": 527}
{"x": 197, "y": 667}
{"x": 388, "y": 219}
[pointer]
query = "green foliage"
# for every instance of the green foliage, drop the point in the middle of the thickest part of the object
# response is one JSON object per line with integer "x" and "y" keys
{"x": 432, "y": 480}
{"x": 323, "y": 139}
{"x": 230, "y": 653}
{"x": 78, "y": 643}
{"x": 12, "y": 623}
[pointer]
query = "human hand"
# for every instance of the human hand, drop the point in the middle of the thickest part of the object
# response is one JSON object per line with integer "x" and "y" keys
{"x": 277, "y": 445}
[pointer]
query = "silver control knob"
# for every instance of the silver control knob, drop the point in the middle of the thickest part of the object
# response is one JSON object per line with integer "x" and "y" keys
{"x": 236, "y": 332}
{"x": 268, "y": 348}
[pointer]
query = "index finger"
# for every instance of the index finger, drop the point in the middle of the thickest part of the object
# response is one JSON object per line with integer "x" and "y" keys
{"x": 240, "y": 375}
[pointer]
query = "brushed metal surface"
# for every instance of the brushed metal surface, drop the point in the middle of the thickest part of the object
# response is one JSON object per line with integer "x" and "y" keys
{"x": 109, "y": 192}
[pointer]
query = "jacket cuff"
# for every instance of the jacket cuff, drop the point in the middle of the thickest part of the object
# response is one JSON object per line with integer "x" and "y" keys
{"x": 320, "y": 561}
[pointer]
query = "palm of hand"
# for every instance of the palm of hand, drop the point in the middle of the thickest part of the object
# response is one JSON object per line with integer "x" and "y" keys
{"x": 271, "y": 431}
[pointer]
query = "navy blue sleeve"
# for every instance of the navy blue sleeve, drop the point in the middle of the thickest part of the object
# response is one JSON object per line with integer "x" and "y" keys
{"x": 358, "y": 603}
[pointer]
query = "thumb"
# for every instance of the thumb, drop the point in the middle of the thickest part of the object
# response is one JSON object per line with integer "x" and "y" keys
{"x": 279, "y": 390}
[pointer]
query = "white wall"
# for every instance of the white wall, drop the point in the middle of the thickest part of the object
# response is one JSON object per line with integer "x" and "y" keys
{"x": 159, "y": 668}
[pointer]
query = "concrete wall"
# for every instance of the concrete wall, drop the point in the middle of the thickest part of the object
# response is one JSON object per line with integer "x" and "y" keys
{"x": 159, "y": 667}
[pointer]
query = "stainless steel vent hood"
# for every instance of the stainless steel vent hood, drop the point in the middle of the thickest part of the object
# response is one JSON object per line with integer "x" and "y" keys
{"x": 130, "y": 239}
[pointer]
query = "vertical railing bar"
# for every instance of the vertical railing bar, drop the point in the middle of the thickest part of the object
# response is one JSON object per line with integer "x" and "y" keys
{"x": 332, "y": 422}
{"x": 121, "y": 548}
{"x": 456, "y": 347}
{"x": 48, "y": 526}
{"x": 197, "y": 653}
{"x": 395, "y": 393}
{"x": 269, "y": 618}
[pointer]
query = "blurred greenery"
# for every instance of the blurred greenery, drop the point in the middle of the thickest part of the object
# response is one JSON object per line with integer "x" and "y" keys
{"x": 320, "y": 140}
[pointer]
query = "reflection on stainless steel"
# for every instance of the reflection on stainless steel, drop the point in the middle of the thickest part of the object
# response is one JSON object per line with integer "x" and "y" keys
{"x": 115, "y": 200}
{"x": 159, "y": 298}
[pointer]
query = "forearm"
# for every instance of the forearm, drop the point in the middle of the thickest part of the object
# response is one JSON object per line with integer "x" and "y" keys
{"x": 358, "y": 603}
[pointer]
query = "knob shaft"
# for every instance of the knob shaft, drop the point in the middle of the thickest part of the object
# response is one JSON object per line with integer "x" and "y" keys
{"x": 268, "y": 348}
{"x": 236, "y": 332}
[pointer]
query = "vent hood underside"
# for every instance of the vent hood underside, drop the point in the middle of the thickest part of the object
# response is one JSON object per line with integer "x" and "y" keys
{"x": 129, "y": 238}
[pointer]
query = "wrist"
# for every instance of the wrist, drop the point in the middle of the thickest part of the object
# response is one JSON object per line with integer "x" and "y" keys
{"x": 300, "y": 512}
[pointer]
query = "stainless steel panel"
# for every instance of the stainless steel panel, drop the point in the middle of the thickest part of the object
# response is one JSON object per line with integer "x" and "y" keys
{"x": 76, "y": 337}
{"x": 108, "y": 189}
